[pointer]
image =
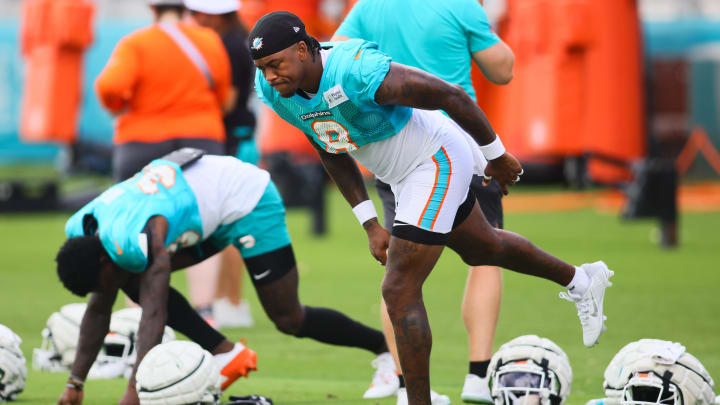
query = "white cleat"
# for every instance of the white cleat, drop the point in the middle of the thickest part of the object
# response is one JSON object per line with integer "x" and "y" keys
{"x": 385, "y": 381}
{"x": 590, "y": 305}
{"x": 227, "y": 315}
{"x": 476, "y": 390}
{"x": 435, "y": 398}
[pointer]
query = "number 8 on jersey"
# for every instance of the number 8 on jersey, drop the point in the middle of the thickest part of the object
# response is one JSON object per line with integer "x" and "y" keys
{"x": 335, "y": 137}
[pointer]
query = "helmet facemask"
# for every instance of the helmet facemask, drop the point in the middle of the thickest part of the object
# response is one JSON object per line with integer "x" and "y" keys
{"x": 47, "y": 356}
{"x": 650, "y": 389}
{"x": 60, "y": 337}
{"x": 524, "y": 382}
{"x": 116, "y": 357}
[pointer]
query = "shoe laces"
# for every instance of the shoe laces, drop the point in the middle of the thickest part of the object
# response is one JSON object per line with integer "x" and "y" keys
{"x": 584, "y": 306}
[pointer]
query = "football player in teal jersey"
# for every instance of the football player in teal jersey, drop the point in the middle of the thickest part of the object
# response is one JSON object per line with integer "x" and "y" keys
{"x": 461, "y": 28}
{"x": 354, "y": 103}
{"x": 177, "y": 212}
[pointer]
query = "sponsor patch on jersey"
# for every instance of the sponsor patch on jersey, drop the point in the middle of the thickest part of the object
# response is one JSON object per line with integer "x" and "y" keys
{"x": 335, "y": 96}
{"x": 315, "y": 114}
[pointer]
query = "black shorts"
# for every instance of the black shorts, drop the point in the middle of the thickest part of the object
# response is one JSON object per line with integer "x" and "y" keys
{"x": 489, "y": 198}
{"x": 263, "y": 269}
{"x": 271, "y": 266}
{"x": 129, "y": 158}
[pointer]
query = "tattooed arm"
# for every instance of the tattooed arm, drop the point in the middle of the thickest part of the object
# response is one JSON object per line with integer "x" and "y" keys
{"x": 154, "y": 286}
{"x": 405, "y": 85}
{"x": 412, "y": 87}
{"x": 346, "y": 175}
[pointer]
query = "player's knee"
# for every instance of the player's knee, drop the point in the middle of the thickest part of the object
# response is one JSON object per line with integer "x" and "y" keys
{"x": 493, "y": 247}
{"x": 390, "y": 290}
{"x": 395, "y": 292}
{"x": 289, "y": 323}
{"x": 485, "y": 252}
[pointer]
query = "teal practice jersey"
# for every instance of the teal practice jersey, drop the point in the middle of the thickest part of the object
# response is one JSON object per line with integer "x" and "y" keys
{"x": 123, "y": 210}
{"x": 438, "y": 37}
{"x": 343, "y": 116}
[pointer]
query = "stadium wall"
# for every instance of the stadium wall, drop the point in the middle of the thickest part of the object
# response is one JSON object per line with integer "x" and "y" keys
{"x": 666, "y": 39}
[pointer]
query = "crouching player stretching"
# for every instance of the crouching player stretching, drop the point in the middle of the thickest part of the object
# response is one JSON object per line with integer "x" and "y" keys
{"x": 178, "y": 211}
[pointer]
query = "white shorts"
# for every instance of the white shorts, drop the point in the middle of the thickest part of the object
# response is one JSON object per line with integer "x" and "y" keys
{"x": 427, "y": 199}
{"x": 392, "y": 159}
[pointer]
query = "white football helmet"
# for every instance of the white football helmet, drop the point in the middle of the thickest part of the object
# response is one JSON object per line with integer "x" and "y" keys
{"x": 652, "y": 371}
{"x": 60, "y": 338}
{"x": 12, "y": 365}
{"x": 178, "y": 373}
{"x": 117, "y": 355}
{"x": 530, "y": 370}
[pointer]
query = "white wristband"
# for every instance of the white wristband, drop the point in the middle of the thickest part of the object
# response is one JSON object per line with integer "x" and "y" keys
{"x": 364, "y": 211}
{"x": 494, "y": 149}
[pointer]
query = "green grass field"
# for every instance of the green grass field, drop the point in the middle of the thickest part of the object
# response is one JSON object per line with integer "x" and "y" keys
{"x": 663, "y": 294}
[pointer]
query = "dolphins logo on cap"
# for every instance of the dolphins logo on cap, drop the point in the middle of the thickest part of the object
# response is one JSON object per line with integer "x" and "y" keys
{"x": 257, "y": 43}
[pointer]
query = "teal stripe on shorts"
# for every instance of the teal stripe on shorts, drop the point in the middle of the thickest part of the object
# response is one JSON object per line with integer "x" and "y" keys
{"x": 442, "y": 182}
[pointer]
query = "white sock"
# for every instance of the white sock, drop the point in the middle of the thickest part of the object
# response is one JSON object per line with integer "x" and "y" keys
{"x": 222, "y": 359}
{"x": 579, "y": 283}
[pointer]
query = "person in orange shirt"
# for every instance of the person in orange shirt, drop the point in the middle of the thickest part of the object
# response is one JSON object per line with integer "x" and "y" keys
{"x": 167, "y": 83}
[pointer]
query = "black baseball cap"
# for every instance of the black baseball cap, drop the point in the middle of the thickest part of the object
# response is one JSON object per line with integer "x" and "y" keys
{"x": 274, "y": 32}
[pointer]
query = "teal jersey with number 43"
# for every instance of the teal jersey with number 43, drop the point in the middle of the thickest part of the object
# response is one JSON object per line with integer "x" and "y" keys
{"x": 343, "y": 115}
{"x": 123, "y": 210}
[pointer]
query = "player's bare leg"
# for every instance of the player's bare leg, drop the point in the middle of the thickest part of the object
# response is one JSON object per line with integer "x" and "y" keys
{"x": 230, "y": 281}
{"x": 480, "y": 309}
{"x": 202, "y": 281}
{"x": 281, "y": 303}
{"x": 229, "y": 307}
{"x": 478, "y": 243}
{"x": 408, "y": 266}
{"x": 389, "y": 334}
